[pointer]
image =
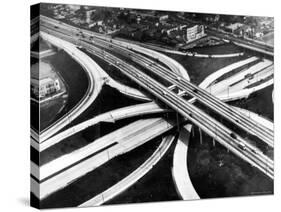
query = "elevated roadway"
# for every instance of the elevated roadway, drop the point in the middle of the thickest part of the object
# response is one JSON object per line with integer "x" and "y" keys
{"x": 218, "y": 131}
{"x": 111, "y": 116}
{"x": 108, "y": 147}
{"x": 205, "y": 98}
{"x": 243, "y": 79}
{"x": 95, "y": 85}
{"x": 132, "y": 178}
{"x": 180, "y": 168}
{"x": 174, "y": 101}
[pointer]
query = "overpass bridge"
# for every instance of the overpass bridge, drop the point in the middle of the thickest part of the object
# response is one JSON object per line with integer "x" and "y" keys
{"x": 173, "y": 99}
{"x": 215, "y": 129}
{"x": 186, "y": 88}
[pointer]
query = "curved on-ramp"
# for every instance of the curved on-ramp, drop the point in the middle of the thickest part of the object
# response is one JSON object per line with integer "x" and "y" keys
{"x": 228, "y": 94}
{"x": 97, "y": 78}
{"x": 135, "y": 136}
{"x": 180, "y": 169}
{"x": 111, "y": 116}
{"x": 95, "y": 84}
{"x": 132, "y": 178}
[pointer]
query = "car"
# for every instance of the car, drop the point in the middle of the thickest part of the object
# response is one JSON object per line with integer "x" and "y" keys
{"x": 255, "y": 151}
{"x": 241, "y": 145}
{"x": 56, "y": 27}
{"x": 233, "y": 135}
{"x": 249, "y": 76}
{"x": 164, "y": 93}
{"x": 195, "y": 90}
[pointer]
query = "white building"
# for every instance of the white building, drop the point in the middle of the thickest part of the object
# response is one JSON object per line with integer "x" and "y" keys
{"x": 194, "y": 33}
{"x": 48, "y": 86}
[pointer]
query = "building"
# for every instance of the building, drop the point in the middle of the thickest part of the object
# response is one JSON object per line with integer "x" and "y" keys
{"x": 48, "y": 86}
{"x": 44, "y": 83}
{"x": 233, "y": 27}
{"x": 45, "y": 87}
{"x": 88, "y": 16}
{"x": 194, "y": 33}
{"x": 163, "y": 19}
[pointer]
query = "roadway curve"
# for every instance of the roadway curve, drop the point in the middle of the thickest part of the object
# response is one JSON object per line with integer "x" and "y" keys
{"x": 212, "y": 77}
{"x": 180, "y": 173}
{"x": 95, "y": 84}
{"x": 111, "y": 116}
{"x": 132, "y": 178}
{"x": 126, "y": 90}
{"x": 116, "y": 143}
{"x": 240, "y": 94}
{"x": 97, "y": 78}
{"x": 224, "y": 89}
{"x": 171, "y": 63}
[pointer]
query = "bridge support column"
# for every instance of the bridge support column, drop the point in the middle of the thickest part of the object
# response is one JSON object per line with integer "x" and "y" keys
{"x": 178, "y": 125}
{"x": 192, "y": 130}
{"x": 200, "y": 132}
{"x": 214, "y": 142}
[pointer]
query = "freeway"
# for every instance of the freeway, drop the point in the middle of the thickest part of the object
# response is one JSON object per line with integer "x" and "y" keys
{"x": 67, "y": 160}
{"x": 243, "y": 79}
{"x": 132, "y": 178}
{"x": 259, "y": 119}
{"x": 212, "y": 127}
{"x": 120, "y": 142}
{"x": 180, "y": 172}
{"x": 207, "y": 99}
{"x": 117, "y": 63}
{"x": 111, "y": 116}
{"x": 126, "y": 90}
{"x": 243, "y": 92}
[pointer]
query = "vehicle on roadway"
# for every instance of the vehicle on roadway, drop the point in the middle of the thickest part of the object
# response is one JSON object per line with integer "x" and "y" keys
{"x": 249, "y": 76}
{"x": 255, "y": 151}
{"x": 164, "y": 93}
{"x": 241, "y": 145}
{"x": 195, "y": 90}
{"x": 233, "y": 135}
{"x": 178, "y": 78}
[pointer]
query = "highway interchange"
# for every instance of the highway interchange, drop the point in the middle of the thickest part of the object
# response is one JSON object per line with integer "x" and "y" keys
{"x": 154, "y": 75}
